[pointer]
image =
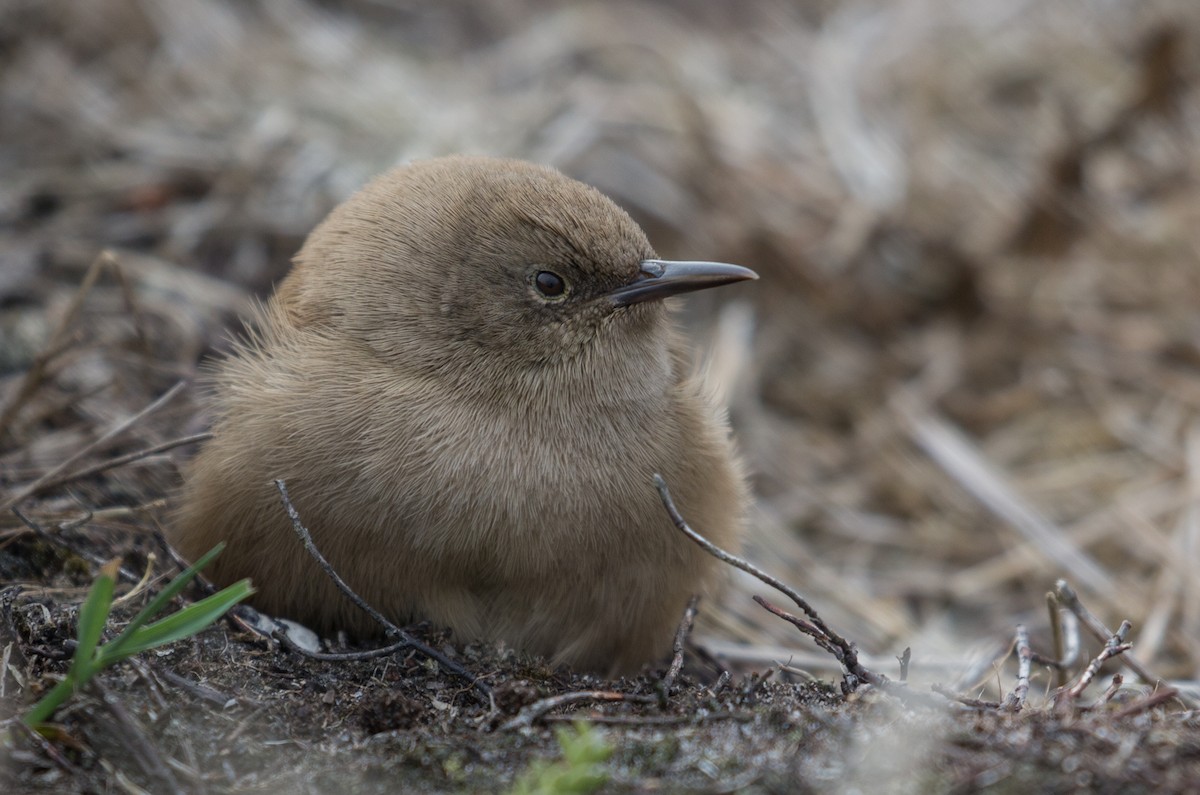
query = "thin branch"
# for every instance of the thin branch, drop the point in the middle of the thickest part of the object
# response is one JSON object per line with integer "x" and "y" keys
{"x": 1114, "y": 646}
{"x": 393, "y": 631}
{"x": 805, "y": 627}
{"x": 685, "y": 628}
{"x": 1059, "y": 641}
{"x": 115, "y": 430}
{"x": 1149, "y": 702}
{"x": 56, "y": 539}
{"x": 530, "y": 714}
{"x": 973, "y": 703}
{"x": 1113, "y": 687}
{"x": 120, "y": 461}
{"x": 846, "y": 653}
{"x": 341, "y": 656}
{"x": 1069, "y": 599}
{"x": 1016, "y": 699}
{"x": 54, "y": 347}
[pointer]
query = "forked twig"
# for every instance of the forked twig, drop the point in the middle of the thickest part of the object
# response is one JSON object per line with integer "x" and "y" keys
{"x": 665, "y": 493}
{"x": 392, "y": 630}
{"x": 1069, "y": 599}
{"x": 1114, "y": 646}
{"x": 815, "y": 627}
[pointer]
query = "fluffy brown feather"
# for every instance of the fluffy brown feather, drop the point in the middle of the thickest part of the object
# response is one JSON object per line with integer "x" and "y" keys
{"x": 463, "y": 449}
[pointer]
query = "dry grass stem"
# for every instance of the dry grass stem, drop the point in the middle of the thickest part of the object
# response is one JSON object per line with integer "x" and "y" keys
{"x": 448, "y": 665}
{"x": 116, "y": 430}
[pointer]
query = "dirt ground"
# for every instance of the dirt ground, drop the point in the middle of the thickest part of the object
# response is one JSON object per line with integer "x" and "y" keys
{"x": 970, "y": 371}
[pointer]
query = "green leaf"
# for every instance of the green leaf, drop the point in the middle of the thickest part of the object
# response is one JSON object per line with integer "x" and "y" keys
{"x": 177, "y": 626}
{"x": 93, "y": 615}
{"x": 44, "y": 709}
{"x": 90, "y": 658}
{"x": 155, "y": 606}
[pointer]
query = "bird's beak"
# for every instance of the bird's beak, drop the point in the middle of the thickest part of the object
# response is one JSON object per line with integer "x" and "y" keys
{"x": 661, "y": 278}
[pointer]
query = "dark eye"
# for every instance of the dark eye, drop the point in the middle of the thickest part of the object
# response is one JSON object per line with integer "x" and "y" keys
{"x": 550, "y": 284}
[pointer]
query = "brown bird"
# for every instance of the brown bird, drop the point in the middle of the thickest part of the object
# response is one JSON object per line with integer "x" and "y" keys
{"x": 467, "y": 381}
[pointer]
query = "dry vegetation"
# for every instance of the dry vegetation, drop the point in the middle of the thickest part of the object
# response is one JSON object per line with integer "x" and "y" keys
{"x": 971, "y": 368}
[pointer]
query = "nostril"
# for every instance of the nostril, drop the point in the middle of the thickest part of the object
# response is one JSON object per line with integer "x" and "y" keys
{"x": 652, "y": 269}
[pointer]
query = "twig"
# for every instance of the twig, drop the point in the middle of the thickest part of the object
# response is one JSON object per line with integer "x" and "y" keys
{"x": 1149, "y": 702}
{"x": 1114, "y": 646}
{"x": 973, "y": 703}
{"x": 202, "y": 692}
{"x": 652, "y": 720}
{"x": 54, "y": 345}
{"x": 1069, "y": 599}
{"x": 530, "y": 714}
{"x": 393, "y": 631}
{"x": 854, "y": 672}
{"x": 829, "y": 640}
{"x": 805, "y": 627}
{"x": 1016, "y": 699}
{"x": 1065, "y": 626}
{"x": 120, "y": 461}
{"x": 115, "y": 430}
{"x": 685, "y": 627}
{"x": 1117, "y": 681}
{"x": 1056, "y": 633}
{"x": 49, "y": 749}
{"x": 55, "y": 539}
{"x": 341, "y": 656}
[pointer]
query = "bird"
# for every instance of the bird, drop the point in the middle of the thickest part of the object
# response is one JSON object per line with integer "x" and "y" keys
{"x": 467, "y": 380}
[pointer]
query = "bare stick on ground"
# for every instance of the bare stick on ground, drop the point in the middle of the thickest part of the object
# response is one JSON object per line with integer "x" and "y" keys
{"x": 1065, "y": 628}
{"x": 393, "y": 631}
{"x": 1149, "y": 702}
{"x": 685, "y": 628}
{"x": 974, "y": 703}
{"x": 1070, "y": 600}
{"x": 530, "y": 714}
{"x": 1114, "y": 646}
{"x": 814, "y": 627}
{"x": 1016, "y": 699}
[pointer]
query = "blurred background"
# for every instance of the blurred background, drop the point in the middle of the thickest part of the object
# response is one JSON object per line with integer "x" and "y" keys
{"x": 971, "y": 367}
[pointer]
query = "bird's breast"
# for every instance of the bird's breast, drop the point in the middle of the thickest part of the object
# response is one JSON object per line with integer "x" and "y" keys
{"x": 508, "y": 486}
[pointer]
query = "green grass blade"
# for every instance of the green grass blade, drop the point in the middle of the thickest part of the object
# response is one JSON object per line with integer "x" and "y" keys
{"x": 164, "y": 596}
{"x": 42, "y": 711}
{"x": 182, "y": 624}
{"x": 93, "y": 615}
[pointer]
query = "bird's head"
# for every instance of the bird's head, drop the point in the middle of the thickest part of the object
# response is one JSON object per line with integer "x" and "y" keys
{"x": 460, "y": 263}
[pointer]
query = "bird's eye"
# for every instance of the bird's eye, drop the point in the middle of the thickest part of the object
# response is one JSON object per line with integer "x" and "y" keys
{"x": 550, "y": 284}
